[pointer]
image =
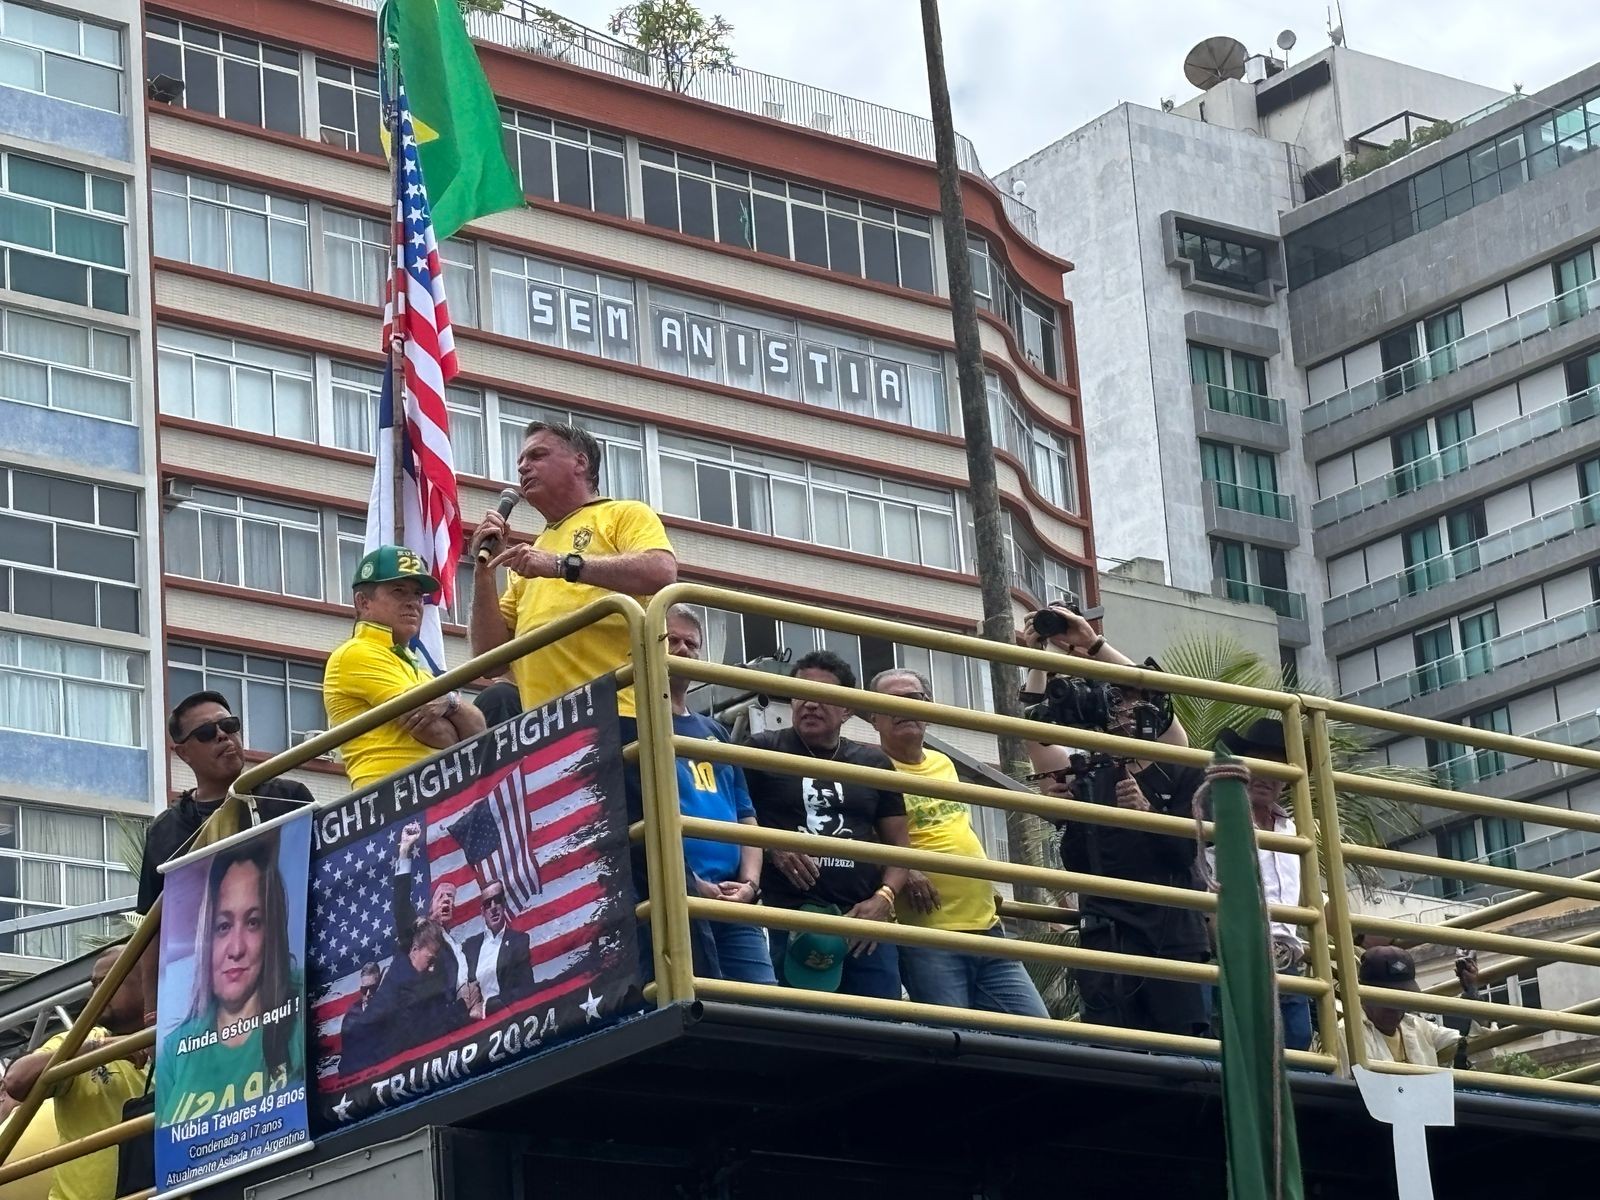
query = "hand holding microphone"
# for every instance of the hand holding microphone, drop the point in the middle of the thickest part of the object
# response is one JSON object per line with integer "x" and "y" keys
{"x": 489, "y": 546}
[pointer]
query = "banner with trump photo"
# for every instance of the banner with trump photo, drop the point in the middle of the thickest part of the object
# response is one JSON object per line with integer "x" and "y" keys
{"x": 471, "y": 911}
{"x": 230, "y": 1083}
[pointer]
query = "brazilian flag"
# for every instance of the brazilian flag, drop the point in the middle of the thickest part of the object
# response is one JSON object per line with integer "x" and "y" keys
{"x": 1263, "y": 1149}
{"x": 454, "y": 112}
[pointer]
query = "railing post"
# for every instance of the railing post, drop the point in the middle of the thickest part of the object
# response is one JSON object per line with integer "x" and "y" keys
{"x": 658, "y": 771}
{"x": 1330, "y": 835}
{"x": 1305, "y": 820}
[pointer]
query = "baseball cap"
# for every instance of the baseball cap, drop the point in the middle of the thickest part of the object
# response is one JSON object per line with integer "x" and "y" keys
{"x": 1391, "y": 967}
{"x": 816, "y": 960}
{"x": 389, "y": 563}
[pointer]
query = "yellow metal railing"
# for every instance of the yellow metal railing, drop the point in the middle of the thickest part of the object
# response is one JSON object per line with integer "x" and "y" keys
{"x": 1313, "y": 778}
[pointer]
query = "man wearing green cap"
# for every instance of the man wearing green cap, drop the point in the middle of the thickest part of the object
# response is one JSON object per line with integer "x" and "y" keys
{"x": 377, "y": 664}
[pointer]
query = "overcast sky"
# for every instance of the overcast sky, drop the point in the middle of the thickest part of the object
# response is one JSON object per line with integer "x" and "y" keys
{"x": 1025, "y": 72}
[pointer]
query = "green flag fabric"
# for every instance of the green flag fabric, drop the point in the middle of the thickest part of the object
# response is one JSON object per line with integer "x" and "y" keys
{"x": 1263, "y": 1150}
{"x": 456, "y": 118}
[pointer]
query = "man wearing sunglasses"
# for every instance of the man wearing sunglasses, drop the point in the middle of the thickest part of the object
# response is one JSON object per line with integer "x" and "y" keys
{"x": 498, "y": 959}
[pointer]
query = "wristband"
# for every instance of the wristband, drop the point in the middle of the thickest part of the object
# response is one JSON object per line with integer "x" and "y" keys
{"x": 887, "y": 893}
{"x": 1095, "y": 647}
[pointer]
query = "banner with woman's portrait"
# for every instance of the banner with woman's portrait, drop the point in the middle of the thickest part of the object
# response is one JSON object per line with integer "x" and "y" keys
{"x": 230, "y": 1023}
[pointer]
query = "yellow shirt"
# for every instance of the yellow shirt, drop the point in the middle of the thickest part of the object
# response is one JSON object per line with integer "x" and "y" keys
{"x": 86, "y": 1104}
{"x": 39, "y": 1136}
{"x": 595, "y": 530}
{"x": 945, "y": 826}
{"x": 361, "y": 674}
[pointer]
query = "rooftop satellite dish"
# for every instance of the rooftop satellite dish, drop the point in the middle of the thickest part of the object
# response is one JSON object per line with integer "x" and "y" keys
{"x": 1019, "y": 188}
{"x": 1214, "y": 60}
{"x": 1286, "y": 40}
{"x": 1336, "y": 35}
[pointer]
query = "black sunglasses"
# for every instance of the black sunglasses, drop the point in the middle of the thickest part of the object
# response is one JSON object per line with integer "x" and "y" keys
{"x": 207, "y": 731}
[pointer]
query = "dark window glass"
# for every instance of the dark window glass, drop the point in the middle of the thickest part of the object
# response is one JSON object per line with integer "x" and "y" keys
{"x": 695, "y": 166}
{"x": 200, "y": 81}
{"x": 604, "y": 141}
{"x": 109, "y": 291}
{"x": 368, "y": 119}
{"x": 694, "y": 199}
{"x": 45, "y": 277}
{"x": 119, "y": 509}
{"x": 716, "y": 494}
{"x": 119, "y": 608}
{"x": 610, "y": 190}
{"x": 286, "y": 58}
{"x": 877, "y": 212}
{"x": 916, "y": 262}
{"x": 573, "y": 133}
{"x": 242, "y": 47}
{"x": 734, "y": 175}
{"x": 807, "y": 195}
{"x": 165, "y": 26}
{"x": 241, "y": 85}
{"x": 572, "y": 175}
{"x": 282, "y": 101}
{"x": 338, "y": 106}
{"x": 537, "y": 177}
{"x": 25, "y": 541}
{"x": 195, "y": 35}
{"x": 765, "y": 183}
{"x": 810, "y": 235}
{"x": 660, "y": 198}
{"x": 652, "y": 154}
{"x": 772, "y": 226}
{"x": 878, "y": 253}
{"x": 844, "y": 249}
{"x": 162, "y": 58}
{"x": 735, "y": 223}
{"x": 87, "y": 552}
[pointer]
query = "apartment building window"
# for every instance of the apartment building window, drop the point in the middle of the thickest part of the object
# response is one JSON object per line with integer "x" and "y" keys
{"x": 1477, "y": 631}
{"x": 566, "y": 163}
{"x": 59, "y": 364}
{"x": 1501, "y": 837}
{"x": 1249, "y": 374}
{"x": 224, "y": 75}
{"x": 759, "y": 212}
{"x": 553, "y": 305}
{"x": 1571, "y": 273}
{"x": 622, "y": 474}
{"x": 1256, "y": 575}
{"x": 1437, "y": 665}
{"x": 55, "y": 858}
{"x": 788, "y": 498}
{"x": 63, "y": 233}
{"x": 1208, "y": 365}
{"x": 1042, "y": 452}
{"x": 348, "y": 107}
{"x": 1226, "y": 262}
{"x": 244, "y": 542}
{"x": 1031, "y": 317}
{"x": 1230, "y": 561}
{"x": 1440, "y": 333}
{"x": 1589, "y": 477}
{"x": 71, "y": 690}
{"x": 69, "y": 550}
{"x": 278, "y": 700}
{"x": 1411, "y": 454}
{"x": 1422, "y": 550}
{"x": 230, "y": 228}
{"x": 355, "y": 250}
{"x": 1458, "y": 843}
{"x": 723, "y": 343}
{"x": 60, "y": 56}
{"x": 1451, "y": 430}
{"x": 1034, "y": 571}
{"x": 1520, "y": 990}
{"x": 1243, "y": 392}
{"x": 1245, "y": 480}
{"x": 235, "y": 383}
{"x": 357, "y": 392}
{"x": 460, "y": 261}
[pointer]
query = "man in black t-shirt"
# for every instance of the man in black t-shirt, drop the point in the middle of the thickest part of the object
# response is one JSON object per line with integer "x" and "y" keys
{"x": 830, "y": 808}
{"x": 1127, "y": 926}
{"x": 208, "y": 739}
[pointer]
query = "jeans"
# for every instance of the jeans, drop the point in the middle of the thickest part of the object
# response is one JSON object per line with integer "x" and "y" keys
{"x": 973, "y": 981}
{"x": 743, "y": 954}
{"x": 875, "y": 974}
{"x": 1293, "y": 1010}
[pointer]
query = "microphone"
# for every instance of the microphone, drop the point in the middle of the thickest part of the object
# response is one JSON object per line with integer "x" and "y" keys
{"x": 491, "y": 545}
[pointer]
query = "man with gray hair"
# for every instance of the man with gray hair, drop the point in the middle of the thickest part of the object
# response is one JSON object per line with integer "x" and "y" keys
{"x": 717, "y": 792}
{"x": 950, "y": 902}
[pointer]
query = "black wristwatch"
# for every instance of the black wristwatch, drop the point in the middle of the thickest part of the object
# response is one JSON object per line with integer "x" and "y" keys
{"x": 572, "y": 567}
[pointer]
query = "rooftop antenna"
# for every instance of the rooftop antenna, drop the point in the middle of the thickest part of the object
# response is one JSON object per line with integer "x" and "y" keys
{"x": 1286, "y": 41}
{"x": 1213, "y": 60}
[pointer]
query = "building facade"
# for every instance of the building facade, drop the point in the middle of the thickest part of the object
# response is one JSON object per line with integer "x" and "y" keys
{"x": 81, "y": 685}
{"x": 742, "y": 295}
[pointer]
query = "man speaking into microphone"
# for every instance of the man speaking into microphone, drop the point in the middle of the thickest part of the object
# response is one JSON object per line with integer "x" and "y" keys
{"x": 590, "y": 545}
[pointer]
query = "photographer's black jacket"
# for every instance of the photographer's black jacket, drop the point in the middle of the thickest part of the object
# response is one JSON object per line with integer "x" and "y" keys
{"x": 1145, "y": 857}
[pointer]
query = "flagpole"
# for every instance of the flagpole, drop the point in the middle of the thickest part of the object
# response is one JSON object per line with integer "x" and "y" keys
{"x": 396, "y": 350}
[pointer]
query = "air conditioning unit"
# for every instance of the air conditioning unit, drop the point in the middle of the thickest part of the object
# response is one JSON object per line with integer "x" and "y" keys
{"x": 175, "y": 492}
{"x": 773, "y": 109}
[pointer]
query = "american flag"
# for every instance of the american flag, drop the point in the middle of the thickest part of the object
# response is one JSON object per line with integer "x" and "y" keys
{"x": 493, "y": 834}
{"x": 416, "y": 317}
{"x": 572, "y": 923}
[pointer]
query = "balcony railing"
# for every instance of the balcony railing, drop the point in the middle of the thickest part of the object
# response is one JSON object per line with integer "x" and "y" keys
{"x": 1284, "y": 603}
{"x": 1477, "y": 765}
{"x": 1484, "y": 343}
{"x": 1253, "y": 500}
{"x": 1491, "y": 443}
{"x": 1244, "y": 404}
{"x": 1478, "y": 660}
{"x": 528, "y": 27}
{"x": 1463, "y": 560}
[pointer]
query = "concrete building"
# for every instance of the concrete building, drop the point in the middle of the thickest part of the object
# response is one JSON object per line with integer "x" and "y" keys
{"x": 740, "y": 292}
{"x": 1192, "y": 395}
{"x": 1145, "y": 616}
{"x": 81, "y": 685}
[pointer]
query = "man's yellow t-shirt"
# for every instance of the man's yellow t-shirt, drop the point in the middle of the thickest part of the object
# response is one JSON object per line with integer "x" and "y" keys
{"x": 945, "y": 826}
{"x": 361, "y": 674}
{"x": 86, "y": 1104}
{"x": 39, "y": 1136}
{"x": 595, "y": 530}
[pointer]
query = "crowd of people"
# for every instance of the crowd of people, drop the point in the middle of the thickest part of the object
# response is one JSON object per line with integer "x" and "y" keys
{"x": 591, "y": 546}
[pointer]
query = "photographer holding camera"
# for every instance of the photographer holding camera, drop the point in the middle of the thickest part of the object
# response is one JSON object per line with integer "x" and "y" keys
{"x": 1106, "y": 923}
